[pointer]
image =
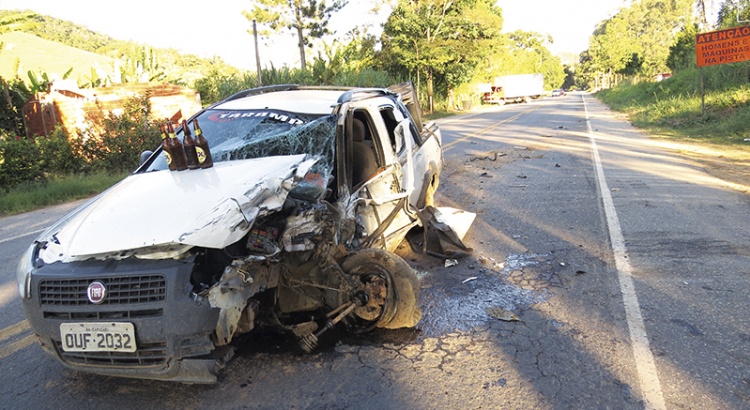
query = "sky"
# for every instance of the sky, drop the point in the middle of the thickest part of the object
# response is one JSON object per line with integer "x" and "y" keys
{"x": 570, "y": 23}
{"x": 208, "y": 28}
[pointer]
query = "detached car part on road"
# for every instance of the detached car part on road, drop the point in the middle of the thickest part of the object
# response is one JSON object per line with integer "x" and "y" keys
{"x": 293, "y": 228}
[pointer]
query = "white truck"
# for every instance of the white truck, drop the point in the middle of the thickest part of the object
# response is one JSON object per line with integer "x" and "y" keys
{"x": 513, "y": 88}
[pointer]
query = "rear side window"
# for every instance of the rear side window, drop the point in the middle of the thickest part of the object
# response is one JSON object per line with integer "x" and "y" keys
{"x": 412, "y": 127}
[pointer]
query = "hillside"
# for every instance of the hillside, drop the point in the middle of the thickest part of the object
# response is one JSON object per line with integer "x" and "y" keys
{"x": 29, "y": 52}
{"x": 70, "y": 45}
{"x": 173, "y": 63}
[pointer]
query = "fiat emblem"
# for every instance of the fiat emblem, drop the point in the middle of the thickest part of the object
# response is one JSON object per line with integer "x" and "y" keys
{"x": 96, "y": 292}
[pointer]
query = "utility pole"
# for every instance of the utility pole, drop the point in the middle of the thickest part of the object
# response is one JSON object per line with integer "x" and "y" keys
{"x": 257, "y": 55}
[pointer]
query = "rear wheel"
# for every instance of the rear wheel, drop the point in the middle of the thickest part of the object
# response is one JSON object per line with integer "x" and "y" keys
{"x": 391, "y": 286}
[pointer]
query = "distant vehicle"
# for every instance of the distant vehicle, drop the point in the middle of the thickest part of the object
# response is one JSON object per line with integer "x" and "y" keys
{"x": 513, "y": 88}
{"x": 558, "y": 92}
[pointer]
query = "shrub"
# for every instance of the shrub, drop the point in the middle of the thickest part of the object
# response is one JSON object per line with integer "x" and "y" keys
{"x": 113, "y": 142}
{"x": 58, "y": 155}
{"x": 19, "y": 161}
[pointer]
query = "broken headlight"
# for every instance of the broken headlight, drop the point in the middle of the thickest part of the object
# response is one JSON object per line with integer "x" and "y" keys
{"x": 23, "y": 271}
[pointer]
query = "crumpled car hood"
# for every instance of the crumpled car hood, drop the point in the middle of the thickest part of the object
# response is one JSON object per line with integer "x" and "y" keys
{"x": 162, "y": 214}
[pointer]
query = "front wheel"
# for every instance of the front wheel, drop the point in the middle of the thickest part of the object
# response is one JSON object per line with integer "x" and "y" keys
{"x": 391, "y": 286}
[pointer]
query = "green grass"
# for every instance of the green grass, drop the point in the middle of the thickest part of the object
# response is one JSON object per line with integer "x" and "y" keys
{"x": 672, "y": 108}
{"x": 27, "y": 197}
{"x": 440, "y": 113}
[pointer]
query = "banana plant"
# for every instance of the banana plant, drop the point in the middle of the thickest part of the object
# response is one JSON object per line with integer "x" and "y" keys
{"x": 40, "y": 83}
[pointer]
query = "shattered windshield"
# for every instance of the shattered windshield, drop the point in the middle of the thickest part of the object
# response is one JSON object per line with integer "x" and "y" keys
{"x": 245, "y": 134}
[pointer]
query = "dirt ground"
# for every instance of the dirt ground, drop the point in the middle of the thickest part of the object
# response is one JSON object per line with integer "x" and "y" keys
{"x": 728, "y": 163}
{"x": 731, "y": 164}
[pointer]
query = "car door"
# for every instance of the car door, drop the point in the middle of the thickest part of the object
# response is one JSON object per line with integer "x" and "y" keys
{"x": 382, "y": 198}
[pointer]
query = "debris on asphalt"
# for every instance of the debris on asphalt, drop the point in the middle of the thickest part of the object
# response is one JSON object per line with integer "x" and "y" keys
{"x": 485, "y": 175}
{"x": 422, "y": 274}
{"x": 492, "y": 156}
{"x": 499, "y": 266}
{"x": 502, "y": 314}
{"x": 467, "y": 280}
{"x": 519, "y": 186}
{"x": 580, "y": 272}
{"x": 449, "y": 263}
{"x": 521, "y": 176}
{"x": 444, "y": 230}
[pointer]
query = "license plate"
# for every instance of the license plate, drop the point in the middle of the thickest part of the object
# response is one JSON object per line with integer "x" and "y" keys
{"x": 98, "y": 337}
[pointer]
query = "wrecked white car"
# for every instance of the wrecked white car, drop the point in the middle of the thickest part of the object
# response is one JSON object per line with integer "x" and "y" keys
{"x": 293, "y": 228}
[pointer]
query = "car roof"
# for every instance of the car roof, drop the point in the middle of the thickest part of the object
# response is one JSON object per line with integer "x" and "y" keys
{"x": 298, "y": 101}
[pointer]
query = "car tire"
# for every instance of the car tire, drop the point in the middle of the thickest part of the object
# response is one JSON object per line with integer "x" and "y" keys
{"x": 400, "y": 308}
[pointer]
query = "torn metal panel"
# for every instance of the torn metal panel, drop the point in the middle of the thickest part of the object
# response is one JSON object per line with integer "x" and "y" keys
{"x": 444, "y": 230}
{"x": 231, "y": 294}
{"x": 457, "y": 219}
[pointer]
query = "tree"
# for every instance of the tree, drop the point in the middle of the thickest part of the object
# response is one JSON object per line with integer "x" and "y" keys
{"x": 529, "y": 48}
{"x": 636, "y": 41}
{"x": 682, "y": 52}
{"x": 443, "y": 39}
{"x": 307, "y": 18}
{"x": 734, "y": 13}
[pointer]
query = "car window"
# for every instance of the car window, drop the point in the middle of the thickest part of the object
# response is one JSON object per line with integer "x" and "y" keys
{"x": 390, "y": 120}
{"x": 412, "y": 127}
{"x": 237, "y": 135}
{"x": 234, "y": 135}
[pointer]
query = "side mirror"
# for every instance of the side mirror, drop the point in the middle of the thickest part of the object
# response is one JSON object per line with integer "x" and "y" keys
{"x": 145, "y": 155}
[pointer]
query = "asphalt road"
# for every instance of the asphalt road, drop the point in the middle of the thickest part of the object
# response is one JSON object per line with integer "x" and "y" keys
{"x": 625, "y": 265}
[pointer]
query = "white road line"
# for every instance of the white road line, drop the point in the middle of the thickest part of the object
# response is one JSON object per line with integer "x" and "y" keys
{"x": 22, "y": 235}
{"x": 644, "y": 359}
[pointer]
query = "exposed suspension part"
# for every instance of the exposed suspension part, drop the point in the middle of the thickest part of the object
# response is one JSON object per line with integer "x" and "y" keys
{"x": 309, "y": 342}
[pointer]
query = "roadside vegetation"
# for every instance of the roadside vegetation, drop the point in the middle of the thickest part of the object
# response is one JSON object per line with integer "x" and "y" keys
{"x": 709, "y": 104}
{"x": 55, "y": 190}
{"x": 673, "y": 108}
